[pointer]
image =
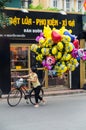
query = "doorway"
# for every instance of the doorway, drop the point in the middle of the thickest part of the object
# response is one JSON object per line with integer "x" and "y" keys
{"x": 19, "y": 60}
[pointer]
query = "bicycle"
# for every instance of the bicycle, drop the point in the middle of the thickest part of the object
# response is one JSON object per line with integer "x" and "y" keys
{"x": 19, "y": 90}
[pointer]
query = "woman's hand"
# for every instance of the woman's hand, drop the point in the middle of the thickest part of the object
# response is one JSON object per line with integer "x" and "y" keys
{"x": 18, "y": 76}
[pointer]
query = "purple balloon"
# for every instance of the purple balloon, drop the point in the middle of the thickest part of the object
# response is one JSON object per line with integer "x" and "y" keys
{"x": 74, "y": 53}
{"x": 46, "y": 65}
{"x": 37, "y": 38}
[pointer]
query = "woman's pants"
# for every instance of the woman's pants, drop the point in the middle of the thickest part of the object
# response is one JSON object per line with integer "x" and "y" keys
{"x": 37, "y": 91}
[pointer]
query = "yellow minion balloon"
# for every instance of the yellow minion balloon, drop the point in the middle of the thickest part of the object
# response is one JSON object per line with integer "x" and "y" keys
{"x": 60, "y": 46}
{"x": 69, "y": 47}
{"x": 45, "y": 51}
{"x": 63, "y": 68}
{"x": 58, "y": 55}
{"x": 41, "y": 42}
{"x": 66, "y": 39}
{"x": 39, "y": 57}
{"x": 54, "y": 50}
{"x": 68, "y": 57}
{"x": 48, "y": 43}
{"x": 70, "y": 67}
{"x": 74, "y": 61}
{"x": 34, "y": 47}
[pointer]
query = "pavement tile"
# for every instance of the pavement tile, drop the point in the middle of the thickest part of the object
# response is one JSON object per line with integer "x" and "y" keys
{"x": 54, "y": 92}
{"x": 64, "y": 92}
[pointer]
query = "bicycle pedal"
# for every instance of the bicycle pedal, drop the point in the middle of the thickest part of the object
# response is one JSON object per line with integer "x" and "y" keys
{"x": 26, "y": 97}
{"x": 27, "y": 102}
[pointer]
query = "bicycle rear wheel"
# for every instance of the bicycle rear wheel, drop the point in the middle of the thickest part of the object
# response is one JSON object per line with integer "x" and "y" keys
{"x": 14, "y": 97}
{"x": 32, "y": 96}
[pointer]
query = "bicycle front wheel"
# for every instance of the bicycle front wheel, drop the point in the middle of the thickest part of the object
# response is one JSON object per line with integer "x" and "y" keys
{"x": 32, "y": 96}
{"x": 14, "y": 97}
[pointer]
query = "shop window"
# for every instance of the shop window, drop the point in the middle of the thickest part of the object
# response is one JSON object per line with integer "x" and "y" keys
{"x": 54, "y": 80}
{"x": 19, "y": 57}
{"x": 18, "y": 61}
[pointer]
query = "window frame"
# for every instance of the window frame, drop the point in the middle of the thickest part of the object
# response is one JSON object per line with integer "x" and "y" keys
{"x": 79, "y": 6}
{"x": 67, "y": 5}
{"x": 24, "y": 3}
{"x": 55, "y": 3}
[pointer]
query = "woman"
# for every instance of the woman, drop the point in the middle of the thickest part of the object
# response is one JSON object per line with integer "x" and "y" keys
{"x": 33, "y": 78}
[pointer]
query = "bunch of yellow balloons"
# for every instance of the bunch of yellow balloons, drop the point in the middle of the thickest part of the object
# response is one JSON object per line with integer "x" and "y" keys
{"x": 54, "y": 49}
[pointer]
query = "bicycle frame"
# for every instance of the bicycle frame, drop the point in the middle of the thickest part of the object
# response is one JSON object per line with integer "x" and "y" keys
{"x": 25, "y": 91}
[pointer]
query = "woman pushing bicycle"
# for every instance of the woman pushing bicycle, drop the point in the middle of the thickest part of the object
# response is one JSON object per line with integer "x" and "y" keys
{"x": 33, "y": 78}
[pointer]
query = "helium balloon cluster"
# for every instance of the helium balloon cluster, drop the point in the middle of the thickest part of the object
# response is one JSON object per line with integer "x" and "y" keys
{"x": 58, "y": 50}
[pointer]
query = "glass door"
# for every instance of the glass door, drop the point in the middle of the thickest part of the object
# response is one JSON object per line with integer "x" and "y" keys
{"x": 19, "y": 60}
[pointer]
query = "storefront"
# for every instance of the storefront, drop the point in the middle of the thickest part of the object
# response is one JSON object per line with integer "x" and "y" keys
{"x": 22, "y": 32}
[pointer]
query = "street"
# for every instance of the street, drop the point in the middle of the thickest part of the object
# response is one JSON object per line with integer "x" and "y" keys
{"x": 65, "y": 112}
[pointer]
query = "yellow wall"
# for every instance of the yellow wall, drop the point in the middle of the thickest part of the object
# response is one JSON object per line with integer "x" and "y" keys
{"x": 35, "y": 2}
{"x": 74, "y": 3}
{"x": 44, "y": 3}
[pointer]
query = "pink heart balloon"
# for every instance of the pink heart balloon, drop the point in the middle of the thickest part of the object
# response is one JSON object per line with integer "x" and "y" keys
{"x": 56, "y": 37}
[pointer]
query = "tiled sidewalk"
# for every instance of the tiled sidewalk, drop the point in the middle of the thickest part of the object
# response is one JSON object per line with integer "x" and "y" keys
{"x": 64, "y": 92}
{"x": 53, "y": 91}
{"x": 61, "y": 90}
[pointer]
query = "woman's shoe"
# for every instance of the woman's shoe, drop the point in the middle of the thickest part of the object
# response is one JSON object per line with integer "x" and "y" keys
{"x": 36, "y": 105}
{"x": 43, "y": 102}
